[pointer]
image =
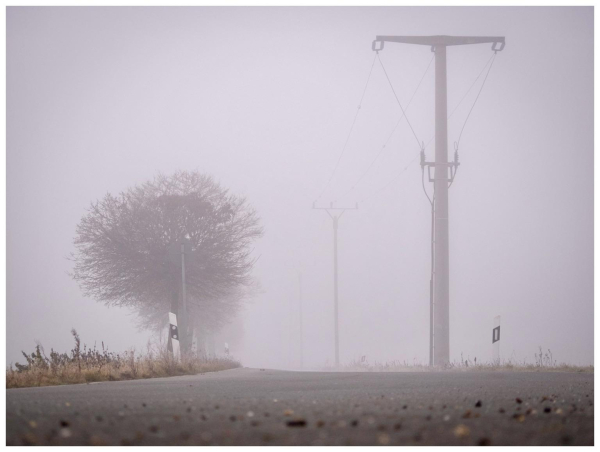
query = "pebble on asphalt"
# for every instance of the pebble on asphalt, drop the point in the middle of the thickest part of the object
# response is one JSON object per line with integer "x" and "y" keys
{"x": 296, "y": 423}
{"x": 383, "y": 439}
{"x": 478, "y": 404}
{"x": 29, "y": 439}
{"x": 461, "y": 431}
{"x": 96, "y": 440}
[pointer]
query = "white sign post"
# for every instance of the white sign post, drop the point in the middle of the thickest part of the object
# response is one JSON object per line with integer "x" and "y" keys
{"x": 496, "y": 341}
{"x": 174, "y": 335}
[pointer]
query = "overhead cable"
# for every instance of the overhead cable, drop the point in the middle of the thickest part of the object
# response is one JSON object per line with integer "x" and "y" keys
{"x": 349, "y": 133}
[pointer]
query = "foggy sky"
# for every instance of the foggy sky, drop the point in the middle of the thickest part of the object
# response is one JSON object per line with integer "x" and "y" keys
{"x": 102, "y": 98}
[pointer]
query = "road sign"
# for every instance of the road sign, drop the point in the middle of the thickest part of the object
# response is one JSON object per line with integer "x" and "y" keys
{"x": 173, "y": 335}
{"x": 496, "y": 341}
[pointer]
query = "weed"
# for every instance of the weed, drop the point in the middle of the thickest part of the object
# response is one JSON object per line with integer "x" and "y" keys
{"x": 86, "y": 365}
{"x": 543, "y": 362}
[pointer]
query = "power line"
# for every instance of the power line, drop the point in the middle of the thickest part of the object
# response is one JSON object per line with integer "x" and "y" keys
{"x": 398, "y": 100}
{"x": 491, "y": 59}
{"x": 390, "y": 135}
{"x": 472, "y": 85}
{"x": 457, "y": 144}
{"x": 473, "y": 106}
{"x": 350, "y": 132}
{"x": 465, "y": 95}
{"x": 396, "y": 177}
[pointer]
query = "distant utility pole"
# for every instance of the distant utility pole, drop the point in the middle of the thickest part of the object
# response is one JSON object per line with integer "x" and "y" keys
{"x": 300, "y": 306}
{"x": 335, "y": 219}
{"x": 438, "y": 44}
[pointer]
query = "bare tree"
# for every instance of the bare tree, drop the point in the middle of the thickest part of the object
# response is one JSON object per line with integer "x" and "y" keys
{"x": 122, "y": 248}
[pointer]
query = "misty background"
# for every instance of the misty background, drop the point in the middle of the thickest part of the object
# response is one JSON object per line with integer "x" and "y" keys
{"x": 102, "y": 98}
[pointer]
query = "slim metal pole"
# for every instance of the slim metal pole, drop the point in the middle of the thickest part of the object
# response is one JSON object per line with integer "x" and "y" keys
{"x": 184, "y": 299}
{"x": 431, "y": 337}
{"x": 301, "y": 333}
{"x": 335, "y": 291}
{"x": 441, "y": 267}
{"x": 290, "y": 333}
{"x": 335, "y": 270}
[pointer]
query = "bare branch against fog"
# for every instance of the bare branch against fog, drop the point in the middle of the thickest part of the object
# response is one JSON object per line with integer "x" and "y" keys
{"x": 123, "y": 241}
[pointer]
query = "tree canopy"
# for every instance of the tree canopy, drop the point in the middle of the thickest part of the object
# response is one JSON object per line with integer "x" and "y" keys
{"x": 122, "y": 247}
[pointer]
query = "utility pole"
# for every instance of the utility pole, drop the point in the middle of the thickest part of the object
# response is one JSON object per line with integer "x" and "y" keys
{"x": 335, "y": 219}
{"x": 441, "y": 281}
{"x": 290, "y": 357}
{"x": 183, "y": 291}
{"x": 177, "y": 252}
{"x": 300, "y": 306}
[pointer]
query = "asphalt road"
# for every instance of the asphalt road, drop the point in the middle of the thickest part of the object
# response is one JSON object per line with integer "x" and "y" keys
{"x": 269, "y": 407}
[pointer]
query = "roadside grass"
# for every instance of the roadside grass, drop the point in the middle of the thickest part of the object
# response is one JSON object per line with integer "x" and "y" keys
{"x": 87, "y": 365}
{"x": 544, "y": 362}
{"x": 454, "y": 367}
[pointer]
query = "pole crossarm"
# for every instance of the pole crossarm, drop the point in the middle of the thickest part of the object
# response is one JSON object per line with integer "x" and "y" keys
{"x": 441, "y": 40}
{"x": 452, "y": 165}
{"x": 334, "y": 208}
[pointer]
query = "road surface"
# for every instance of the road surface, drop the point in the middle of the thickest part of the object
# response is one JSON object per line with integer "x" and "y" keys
{"x": 270, "y": 407}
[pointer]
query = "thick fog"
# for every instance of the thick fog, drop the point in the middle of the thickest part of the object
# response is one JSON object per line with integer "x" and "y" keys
{"x": 101, "y": 99}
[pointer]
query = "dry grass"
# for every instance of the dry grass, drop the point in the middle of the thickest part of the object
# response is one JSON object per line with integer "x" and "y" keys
{"x": 91, "y": 365}
{"x": 544, "y": 362}
{"x": 484, "y": 367}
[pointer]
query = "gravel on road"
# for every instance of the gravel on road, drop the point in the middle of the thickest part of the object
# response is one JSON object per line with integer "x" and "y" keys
{"x": 273, "y": 407}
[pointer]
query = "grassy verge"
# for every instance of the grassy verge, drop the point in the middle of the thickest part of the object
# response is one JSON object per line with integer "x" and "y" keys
{"x": 544, "y": 362}
{"x": 483, "y": 367}
{"x": 86, "y": 365}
